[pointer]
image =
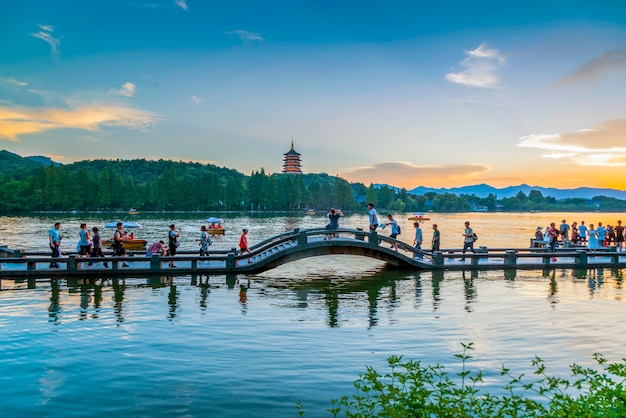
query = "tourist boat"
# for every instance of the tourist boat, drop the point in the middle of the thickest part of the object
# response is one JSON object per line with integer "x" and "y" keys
{"x": 213, "y": 228}
{"x": 310, "y": 212}
{"x": 131, "y": 244}
{"x": 133, "y": 211}
{"x": 418, "y": 217}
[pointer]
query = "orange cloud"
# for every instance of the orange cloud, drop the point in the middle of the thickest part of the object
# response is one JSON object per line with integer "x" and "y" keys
{"x": 402, "y": 174}
{"x": 17, "y": 121}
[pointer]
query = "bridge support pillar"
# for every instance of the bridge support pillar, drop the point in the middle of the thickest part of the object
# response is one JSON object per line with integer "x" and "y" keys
{"x": 581, "y": 258}
{"x": 511, "y": 257}
{"x": 72, "y": 264}
{"x": 155, "y": 262}
{"x": 230, "y": 259}
{"x": 438, "y": 258}
{"x": 546, "y": 258}
{"x": 302, "y": 239}
{"x": 374, "y": 238}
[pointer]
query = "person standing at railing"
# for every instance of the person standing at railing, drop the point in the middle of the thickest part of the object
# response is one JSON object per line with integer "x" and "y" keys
{"x": 601, "y": 235}
{"x": 83, "y": 243}
{"x": 395, "y": 230}
{"x": 205, "y": 241}
{"x": 333, "y": 222}
{"x": 419, "y": 239}
{"x": 118, "y": 242}
{"x": 468, "y": 241}
{"x": 55, "y": 243}
{"x": 373, "y": 217}
{"x": 96, "y": 239}
{"x": 553, "y": 233}
{"x": 593, "y": 237}
{"x": 436, "y": 242}
{"x": 619, "y": 236}
{"x": 173, "y": 243}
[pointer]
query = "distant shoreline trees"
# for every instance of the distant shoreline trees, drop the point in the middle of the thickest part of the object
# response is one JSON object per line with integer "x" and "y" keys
{"x": 163, "y": 185}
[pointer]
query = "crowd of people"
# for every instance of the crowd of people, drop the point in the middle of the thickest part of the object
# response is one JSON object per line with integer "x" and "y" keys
{"x": 594, "y": 236}
{"x": 90, "y": 242}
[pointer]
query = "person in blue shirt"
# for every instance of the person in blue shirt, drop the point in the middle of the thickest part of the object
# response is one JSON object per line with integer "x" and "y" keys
{"x": 394, "y": 230}
{"x": 333, "y": 222}
{"x": 55, "y": 243}
{"x": 83, "y": 242}
{"x": 419, "y": 239}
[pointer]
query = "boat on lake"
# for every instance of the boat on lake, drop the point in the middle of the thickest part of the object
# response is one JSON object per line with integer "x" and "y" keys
{"x": 133, "y": 211}
{"x": 216, "y": 227}
{"x": 310, "y": 212}
{"x": 418, "y": 216}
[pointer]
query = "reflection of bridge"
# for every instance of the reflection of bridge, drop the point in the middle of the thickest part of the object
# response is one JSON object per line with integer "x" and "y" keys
{"x": 298, "y": 244}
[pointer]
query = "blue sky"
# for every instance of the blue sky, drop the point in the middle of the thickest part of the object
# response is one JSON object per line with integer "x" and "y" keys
{"x": 413, "y": 93}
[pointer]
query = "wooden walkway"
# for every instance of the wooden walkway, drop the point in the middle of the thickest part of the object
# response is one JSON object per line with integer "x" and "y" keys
{"x": 298, "y": 244}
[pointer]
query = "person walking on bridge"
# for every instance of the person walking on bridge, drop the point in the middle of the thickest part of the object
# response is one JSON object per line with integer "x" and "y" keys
{"x": 468, "y": 242}
{"x": 395, "y": 230}
{"x": 419, "y": 239}
{"x": 55, "y": 243}
{"x": 373, "y": 217}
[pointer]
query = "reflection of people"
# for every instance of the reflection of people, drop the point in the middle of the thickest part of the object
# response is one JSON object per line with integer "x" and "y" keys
{"x": 394, "y": 231}
{"x": 118, "y": 242}
{"x": 436, "y": 238}
{"x": 243, "y": 243}
{"x": 83, "y": 241}
{"x": 373, "y": 217}
{"x": 205, "y": 241}
{"x": 243, "y": 294}
{"x": 419, "y": 239}
{"x": 468, "y": 241}
{"x": 55, "y": 243}
{"x": 333, "y": 221}
{"x": 173, "y": 242}
{"x": 157, "y": 247}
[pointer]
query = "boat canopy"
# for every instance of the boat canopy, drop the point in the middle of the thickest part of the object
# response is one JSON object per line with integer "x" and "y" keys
{"x": 126, "y": 224}
{"x": 214, "y": 220}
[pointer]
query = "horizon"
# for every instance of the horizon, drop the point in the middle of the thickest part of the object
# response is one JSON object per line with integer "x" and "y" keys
{"x": 409, "y": 94}
{"x": 328, "y": 174}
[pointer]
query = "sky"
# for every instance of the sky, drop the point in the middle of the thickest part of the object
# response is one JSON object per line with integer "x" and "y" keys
{"x": 406, "y": 93}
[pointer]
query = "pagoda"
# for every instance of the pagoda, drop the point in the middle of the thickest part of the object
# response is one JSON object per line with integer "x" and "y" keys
{"x": 291, "y": 162}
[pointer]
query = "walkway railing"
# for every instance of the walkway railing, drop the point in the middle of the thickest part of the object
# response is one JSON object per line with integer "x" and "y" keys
{"x": 302, "y": 243}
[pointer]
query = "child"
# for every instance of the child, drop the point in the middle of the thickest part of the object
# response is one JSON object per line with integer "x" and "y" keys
{"x": 243, "y": 243}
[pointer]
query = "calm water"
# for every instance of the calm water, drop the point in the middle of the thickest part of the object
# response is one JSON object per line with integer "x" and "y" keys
{"x": 191, "y": 346}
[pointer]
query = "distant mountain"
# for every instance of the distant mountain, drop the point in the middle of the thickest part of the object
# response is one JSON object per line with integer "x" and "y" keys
{"x": 41, "y": 160}
{"x": 483, "y": 190}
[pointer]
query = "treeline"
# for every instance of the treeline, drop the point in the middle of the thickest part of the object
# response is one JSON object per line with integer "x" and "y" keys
{"x": 163, "y": 185}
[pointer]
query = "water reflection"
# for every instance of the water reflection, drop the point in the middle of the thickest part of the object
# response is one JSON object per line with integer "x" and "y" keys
{"x": 469, "y": 288}
{"x": 55, "y": 302}
{"x": 172, "y": 301}
{"x": 119, "y": 287}
{"x": 436, "y": 284}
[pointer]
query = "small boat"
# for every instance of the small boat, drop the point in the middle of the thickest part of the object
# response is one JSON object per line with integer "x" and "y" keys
{"x": 130, "y": 244}
{"x": 310, "y": 212}
{"x": 216, "y": 227}
{"x": 133, "y": 211}
{"x": 418, "y": 217}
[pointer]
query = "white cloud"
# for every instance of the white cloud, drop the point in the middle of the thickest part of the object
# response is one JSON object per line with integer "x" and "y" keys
{"x": 182, "y": 4}
{"x": 602, "y": 145}
{"x": 481, "y": 67}
{"x": 11, "y": 80}
{"x": 245, "y": 35}
{"x": 196, "y": 99}
{"x": 45, "y": 34}
{"x": 127, "y": 90}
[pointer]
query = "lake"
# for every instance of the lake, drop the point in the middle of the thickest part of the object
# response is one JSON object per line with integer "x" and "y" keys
{"x": 197, "y": 346}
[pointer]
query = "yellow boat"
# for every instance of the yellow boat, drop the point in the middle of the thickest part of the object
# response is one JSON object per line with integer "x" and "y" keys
{"x": 216, "y": 231}
{"x": 131, "y": 244}
{"x": 418, "y": 217}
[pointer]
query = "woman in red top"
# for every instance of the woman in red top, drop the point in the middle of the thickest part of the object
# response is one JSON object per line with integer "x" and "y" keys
{"x": 243, "y": 243}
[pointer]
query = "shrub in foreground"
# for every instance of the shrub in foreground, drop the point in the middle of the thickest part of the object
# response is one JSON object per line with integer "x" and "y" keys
{"x": 412, "y": 390}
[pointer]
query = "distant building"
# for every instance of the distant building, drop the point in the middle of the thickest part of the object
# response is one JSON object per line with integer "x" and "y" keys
{"x": 291, "y": 162}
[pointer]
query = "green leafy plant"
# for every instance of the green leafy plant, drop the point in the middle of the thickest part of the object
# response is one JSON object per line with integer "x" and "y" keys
{"x": 412, "y": 390}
